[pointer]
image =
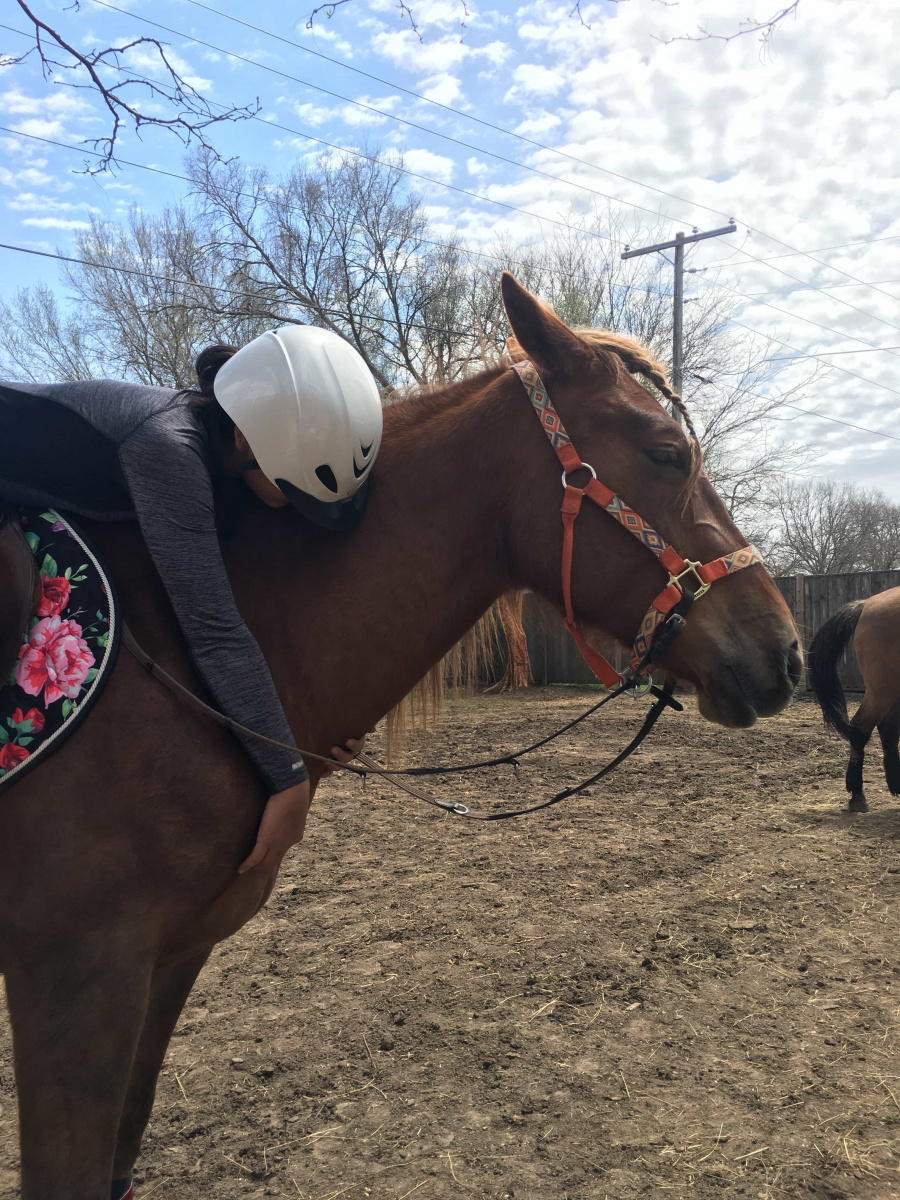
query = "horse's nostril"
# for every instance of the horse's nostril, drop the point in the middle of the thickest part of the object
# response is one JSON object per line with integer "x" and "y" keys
{"x": 794, "y": 662}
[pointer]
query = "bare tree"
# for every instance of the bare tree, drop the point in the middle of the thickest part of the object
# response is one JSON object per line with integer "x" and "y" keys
{"x": 149, "y": 295}
{"x": 130, "y": 99}
{"x": 344, "y": 244}
{"x": 829, "y": 528}
{"x": 38, "y": 342}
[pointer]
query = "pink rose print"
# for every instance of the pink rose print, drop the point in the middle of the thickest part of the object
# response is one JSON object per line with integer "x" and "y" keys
{"x": 56, "y": 658}
{"x": 34, "y": 715}
{"x": 54, "y": 595}
{"x": 11, "y": 756}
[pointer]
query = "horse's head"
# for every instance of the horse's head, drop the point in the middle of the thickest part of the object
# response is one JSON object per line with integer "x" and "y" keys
{"x": 739, "y": 646}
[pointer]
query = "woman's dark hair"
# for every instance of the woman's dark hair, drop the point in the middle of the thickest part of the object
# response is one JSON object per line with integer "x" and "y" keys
{"x": 229, "y": 492}
{"x": 207, "y": 366}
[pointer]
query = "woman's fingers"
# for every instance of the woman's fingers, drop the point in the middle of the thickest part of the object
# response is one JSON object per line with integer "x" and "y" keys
{"x": 254, "y": 858}
{"x": 347, "y": 752}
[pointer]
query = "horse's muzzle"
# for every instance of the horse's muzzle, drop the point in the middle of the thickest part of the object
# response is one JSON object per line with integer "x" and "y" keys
{"x": 740, "y": 691}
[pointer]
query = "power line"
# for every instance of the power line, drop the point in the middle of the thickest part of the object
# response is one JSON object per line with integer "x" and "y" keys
{"x": 479, "y": 149}
{"x": 833, "y": 366}
{"x": 830, "y": 353}
{"x": 498, "y": 129}
{"x": 380, "y": 111}
{"x": 246, "y": 195}
{"x": 453, "y": 187}
{"x": 891, "y": 237}
{"x": 795, "y": 316}
{"x": 206, "y": 287}
{"x": 455, "y": 332}
{"x": 824, "y": 287}
{"x": 346, "y": 149}
{"x": 836, "y": 420}
{"x": 368, "y": 158}
{"x": 412, "y": 124}
{"x": 450, "y": 186}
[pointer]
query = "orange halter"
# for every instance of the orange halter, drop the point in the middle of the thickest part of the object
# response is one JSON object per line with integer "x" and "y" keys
{"x": 672, "y": 603}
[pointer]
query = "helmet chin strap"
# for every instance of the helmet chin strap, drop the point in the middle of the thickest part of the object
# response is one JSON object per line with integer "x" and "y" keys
{"x": 250, "y": 465}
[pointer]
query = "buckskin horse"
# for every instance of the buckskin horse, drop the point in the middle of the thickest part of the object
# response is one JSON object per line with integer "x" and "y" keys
{"x": 118, "y": 856}
{"x": 872, "y": 627}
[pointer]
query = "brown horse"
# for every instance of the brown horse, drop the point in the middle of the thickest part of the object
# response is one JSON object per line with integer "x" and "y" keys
{"x": 872, "y": 627}
{"x": 118, "y": 857}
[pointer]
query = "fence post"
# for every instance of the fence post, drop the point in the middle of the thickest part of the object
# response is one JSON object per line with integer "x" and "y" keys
{"x": 800, "y": 611}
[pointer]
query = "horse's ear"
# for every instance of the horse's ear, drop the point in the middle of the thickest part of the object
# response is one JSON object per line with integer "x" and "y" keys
{"x": 544, "y": 338}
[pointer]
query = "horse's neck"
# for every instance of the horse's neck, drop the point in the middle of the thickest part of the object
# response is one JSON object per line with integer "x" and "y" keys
{"x": 350, "y": 623}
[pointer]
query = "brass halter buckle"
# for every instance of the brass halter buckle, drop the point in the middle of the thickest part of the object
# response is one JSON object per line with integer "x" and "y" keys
{"x": 691, "y": 568}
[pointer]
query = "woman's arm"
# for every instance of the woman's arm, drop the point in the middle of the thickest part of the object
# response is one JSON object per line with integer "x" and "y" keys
{"x": 164, "y": 465}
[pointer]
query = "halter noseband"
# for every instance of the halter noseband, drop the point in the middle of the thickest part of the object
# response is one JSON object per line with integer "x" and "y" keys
{"x": 688, "y": 580}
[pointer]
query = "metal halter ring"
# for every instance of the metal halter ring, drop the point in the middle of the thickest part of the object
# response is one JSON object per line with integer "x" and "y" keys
{"x": 586, "y": 466}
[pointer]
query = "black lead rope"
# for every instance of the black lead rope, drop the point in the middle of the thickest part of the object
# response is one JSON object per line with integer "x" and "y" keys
{"x": 664, "y": 699}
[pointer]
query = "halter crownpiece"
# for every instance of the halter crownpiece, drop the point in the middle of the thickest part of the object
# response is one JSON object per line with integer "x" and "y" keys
{"x": 671, "y": 606}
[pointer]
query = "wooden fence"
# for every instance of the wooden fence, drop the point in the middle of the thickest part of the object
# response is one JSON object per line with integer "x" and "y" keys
{"x": 812, "y": 599}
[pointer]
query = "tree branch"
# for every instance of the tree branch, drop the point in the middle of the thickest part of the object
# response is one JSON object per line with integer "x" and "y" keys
{"x": 193, "y": 113}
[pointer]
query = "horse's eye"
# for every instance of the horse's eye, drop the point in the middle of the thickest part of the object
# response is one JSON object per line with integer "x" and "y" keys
{"x": 664, "y": 456}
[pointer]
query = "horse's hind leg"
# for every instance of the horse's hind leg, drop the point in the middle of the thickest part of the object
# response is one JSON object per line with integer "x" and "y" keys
{"x": 889, "y": 732}
{"x": 864, "y": 721}
{"x": 169, "y": 990}
{"x": 76, "y": 1015}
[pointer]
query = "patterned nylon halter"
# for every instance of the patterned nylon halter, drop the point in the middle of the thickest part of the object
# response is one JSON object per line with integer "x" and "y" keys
{"x": 686, "y": 577}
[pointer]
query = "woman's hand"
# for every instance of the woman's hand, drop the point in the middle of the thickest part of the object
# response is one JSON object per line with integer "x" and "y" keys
{"x": 347, "y": 752}
{"x": 282, "y": 825}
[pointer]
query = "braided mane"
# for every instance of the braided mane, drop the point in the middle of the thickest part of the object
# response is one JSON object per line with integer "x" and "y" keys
{"x": 618, "y": 351}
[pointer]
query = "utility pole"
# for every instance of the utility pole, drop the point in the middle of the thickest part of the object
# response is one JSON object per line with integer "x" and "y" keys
{"x": 678, "y": 245}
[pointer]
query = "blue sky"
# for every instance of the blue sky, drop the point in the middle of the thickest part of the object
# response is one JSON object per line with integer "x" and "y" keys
{"x": 800, "y": 146}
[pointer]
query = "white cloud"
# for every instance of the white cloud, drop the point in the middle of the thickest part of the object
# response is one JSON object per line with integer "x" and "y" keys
{"x": 495, "y": 52}
{"x": 57, "y": 104}
{"x": 542, "y": 123}
{"x": 477, "y": 168}
{"x": 148, "y": 61}
{"x": 321, "y": 33}
{"x": 312, "y": 114}
{"x": 426, "y": 163}
{"x": 403, "y": 49}
{"x": 55, "y": 223}
{"x": 533, "y": 79}
{"x": 40, "y": 202}
{"x": 443, "y": 88}
{"x": 25, "y": 176}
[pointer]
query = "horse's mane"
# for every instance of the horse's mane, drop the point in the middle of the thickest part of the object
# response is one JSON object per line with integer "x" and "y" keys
{"x": 469, "y": 661}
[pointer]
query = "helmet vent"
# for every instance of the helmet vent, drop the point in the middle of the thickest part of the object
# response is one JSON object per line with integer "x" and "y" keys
{"x": 326, "y": 476}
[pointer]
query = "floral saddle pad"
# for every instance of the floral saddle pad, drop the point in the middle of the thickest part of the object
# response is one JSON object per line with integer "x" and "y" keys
{"x": 69, "y": 648}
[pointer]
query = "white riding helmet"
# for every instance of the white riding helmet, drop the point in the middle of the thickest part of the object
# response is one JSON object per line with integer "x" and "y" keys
{"x": 310, "y": 409}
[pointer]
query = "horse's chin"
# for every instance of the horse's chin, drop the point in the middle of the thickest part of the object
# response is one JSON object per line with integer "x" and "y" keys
{"x": 736, "y": 696}
{"x": 726, "y": 706}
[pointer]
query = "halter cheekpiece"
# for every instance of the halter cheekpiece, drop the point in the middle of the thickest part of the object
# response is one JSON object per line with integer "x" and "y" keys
{"x": 688, "y": 580}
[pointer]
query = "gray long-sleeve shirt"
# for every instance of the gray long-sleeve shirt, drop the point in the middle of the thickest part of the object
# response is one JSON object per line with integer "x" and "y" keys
{"x": 119, "y": 451}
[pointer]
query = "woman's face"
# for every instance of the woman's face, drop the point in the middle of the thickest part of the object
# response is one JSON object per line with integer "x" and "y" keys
{"x": 257, "y": 482}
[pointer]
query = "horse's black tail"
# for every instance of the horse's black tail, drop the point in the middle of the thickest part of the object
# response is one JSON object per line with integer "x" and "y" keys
{"x": 825, "y": 650}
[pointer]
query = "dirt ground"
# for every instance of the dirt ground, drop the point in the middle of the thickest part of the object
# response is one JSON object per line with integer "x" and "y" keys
{"x": 683, "y": 983}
